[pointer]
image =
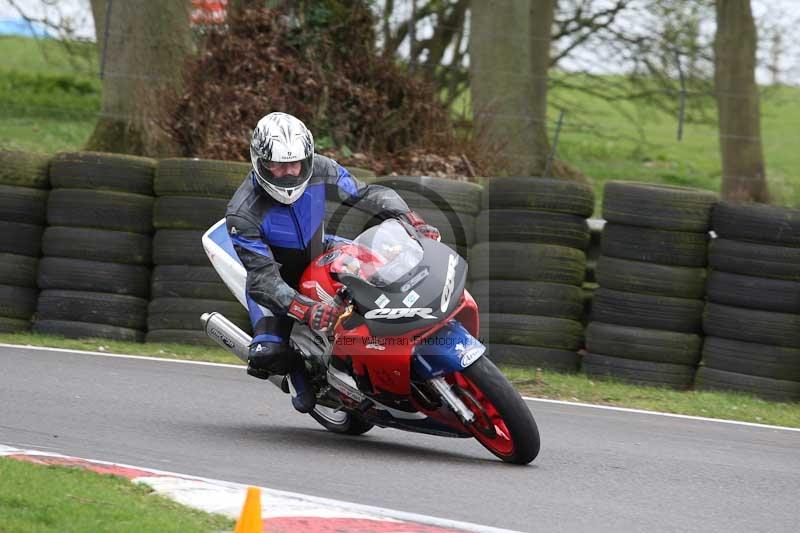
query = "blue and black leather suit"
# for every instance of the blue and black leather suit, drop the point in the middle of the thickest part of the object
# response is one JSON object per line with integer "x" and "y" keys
{"x": 276, "y": 242}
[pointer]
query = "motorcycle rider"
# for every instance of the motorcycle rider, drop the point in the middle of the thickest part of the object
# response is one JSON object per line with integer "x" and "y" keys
{"x": 275, "y": 221}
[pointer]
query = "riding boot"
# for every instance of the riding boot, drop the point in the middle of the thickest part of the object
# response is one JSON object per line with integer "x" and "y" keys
{"x": 259, "y": 373}
{"x": 305, "y": 399}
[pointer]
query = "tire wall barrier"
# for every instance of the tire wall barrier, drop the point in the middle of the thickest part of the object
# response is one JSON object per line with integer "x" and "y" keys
{"x": 752, "y": 316}
{"x": 191, "y": 196}
{"x": 592, "y": 255}
{"x": 646, "y": 315}
{"x": 105, "y": 245}
{"x": 527, "y": 268}
{"x": 450, "y": 205}
{"x": 24, "y": 188}
{"x": 94, "y": 275}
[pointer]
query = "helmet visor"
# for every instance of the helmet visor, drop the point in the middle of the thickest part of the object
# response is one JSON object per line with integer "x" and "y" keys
{"x": 286, "y": 175}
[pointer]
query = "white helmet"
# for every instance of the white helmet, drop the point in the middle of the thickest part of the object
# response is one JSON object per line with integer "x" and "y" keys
{"x": 282, "y": 138}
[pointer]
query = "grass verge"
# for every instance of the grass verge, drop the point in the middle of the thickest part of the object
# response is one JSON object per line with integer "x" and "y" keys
{"x": 543, "y": 384}
{"x": 64, "y": 499}
{"x": 167, "y": 351}
{"x": 716, "y": 404}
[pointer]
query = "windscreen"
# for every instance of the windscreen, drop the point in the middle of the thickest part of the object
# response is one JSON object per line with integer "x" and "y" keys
{"x": 394, "y": 252}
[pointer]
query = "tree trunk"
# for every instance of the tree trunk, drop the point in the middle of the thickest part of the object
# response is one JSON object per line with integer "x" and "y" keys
{"x": 509, "y": 57}
{"x": 541, "y": 27}
{"x": 743, "y": 173}
{"x": 141, "y": 62}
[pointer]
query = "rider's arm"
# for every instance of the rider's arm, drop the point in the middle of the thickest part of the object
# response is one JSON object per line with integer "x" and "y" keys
{"x": 380, "y": 201}
{"x": 342, "y": 186}
{"x": 264, "y": 282}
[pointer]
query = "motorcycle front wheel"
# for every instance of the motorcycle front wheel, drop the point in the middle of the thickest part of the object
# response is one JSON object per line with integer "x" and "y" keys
{"x": 340, "y": 421}
{"x": 503, "y": 423}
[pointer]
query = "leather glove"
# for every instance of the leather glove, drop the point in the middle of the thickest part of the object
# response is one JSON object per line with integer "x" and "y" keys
{"x": 422, "y": 227}
{"x": 319, "y": 316}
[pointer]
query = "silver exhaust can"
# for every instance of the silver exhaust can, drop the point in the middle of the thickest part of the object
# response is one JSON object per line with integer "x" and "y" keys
{"x": 227, "y": 334}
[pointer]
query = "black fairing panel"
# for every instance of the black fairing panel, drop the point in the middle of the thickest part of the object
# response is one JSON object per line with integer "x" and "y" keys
{"x": 427, "y": 308}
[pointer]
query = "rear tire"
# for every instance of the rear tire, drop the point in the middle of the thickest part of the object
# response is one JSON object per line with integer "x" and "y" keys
{"x": 341, "y": 422}
{"x": 497, "y": 398}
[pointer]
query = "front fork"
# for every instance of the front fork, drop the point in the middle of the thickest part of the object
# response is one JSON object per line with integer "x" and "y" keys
{"x": 452, "y": 400}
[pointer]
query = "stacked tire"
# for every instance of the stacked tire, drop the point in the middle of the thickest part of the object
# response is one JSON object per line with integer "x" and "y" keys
{"x": 23, "y": 199}
{"x": 592, "y": 255}
{"x": 752, "y": 319}
{"x": 95, "y": 270}
{"x": 527, "y": 269}
{"x": 191, "y": 196}
{"x": 346, "y": 221}
{"x": 647, "y": 312}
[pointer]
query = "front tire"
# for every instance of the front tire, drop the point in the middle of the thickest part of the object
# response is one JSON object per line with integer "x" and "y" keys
{"x": 503, "y": 423}
{"x": 340, "y": 422}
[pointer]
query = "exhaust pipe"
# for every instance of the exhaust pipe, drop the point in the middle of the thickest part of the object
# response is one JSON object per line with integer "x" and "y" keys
{"x": 226, "y": 334}
{"x": 229, "y": 336}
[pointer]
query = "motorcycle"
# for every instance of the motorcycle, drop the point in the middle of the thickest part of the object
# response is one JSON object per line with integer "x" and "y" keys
{"x": 405, "y": 352}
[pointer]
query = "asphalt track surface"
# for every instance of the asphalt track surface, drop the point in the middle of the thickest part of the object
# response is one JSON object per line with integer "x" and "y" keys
{"x": 599, "y": 470}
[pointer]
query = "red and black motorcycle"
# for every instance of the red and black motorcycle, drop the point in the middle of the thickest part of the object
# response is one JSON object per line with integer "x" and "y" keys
{"x": 405, "y": 353}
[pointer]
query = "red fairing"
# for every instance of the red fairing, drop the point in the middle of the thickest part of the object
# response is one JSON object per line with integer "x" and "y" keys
{"x": 339, "y": 259}
{"x": 467, "y": 314}
{"x": 311, "y": 283}
{"x": 386, "y": 360}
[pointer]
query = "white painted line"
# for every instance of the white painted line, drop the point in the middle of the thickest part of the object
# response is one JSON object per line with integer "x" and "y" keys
{"x": 120, "y": 356}
{"x": 526, "y": 398}
{"x": 658, "y": 413}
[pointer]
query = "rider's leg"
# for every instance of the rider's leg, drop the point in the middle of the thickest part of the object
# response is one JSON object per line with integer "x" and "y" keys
{"x": 270, "y": 341}
{"x": 305, "y": 399}
{"x": 270, "y": 353}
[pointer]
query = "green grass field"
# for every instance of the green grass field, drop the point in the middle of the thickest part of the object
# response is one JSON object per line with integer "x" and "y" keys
{"x": 39, "y": 498}
{"x": 50, "y": 97}
{"x": 633, "y": 142}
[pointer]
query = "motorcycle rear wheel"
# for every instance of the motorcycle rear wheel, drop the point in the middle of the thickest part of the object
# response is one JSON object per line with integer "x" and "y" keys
{"x": 340, "y": 422}
{"x": 503, "y": 423}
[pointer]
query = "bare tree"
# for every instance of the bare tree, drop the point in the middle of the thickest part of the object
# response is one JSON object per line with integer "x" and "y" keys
{"x": 440, "y": 54}
{"x": 658, "y": 45}
{"x": 498, "y": 77}
{"x": 142, "y": 47}
{"x": 540, "y": 18}
{"x": 743, "y": 173}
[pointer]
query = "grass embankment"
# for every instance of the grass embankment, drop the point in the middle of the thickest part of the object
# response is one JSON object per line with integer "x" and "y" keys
{"x": 55, "y": 498}
{"x": 167, "y": 351}
{"x": 49, "y": 95}
{"x": 542, "y": 384}
{"x": 627, "y": 141}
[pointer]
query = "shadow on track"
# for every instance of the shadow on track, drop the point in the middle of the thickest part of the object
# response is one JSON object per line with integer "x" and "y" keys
{"x": 379, "y": 445}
